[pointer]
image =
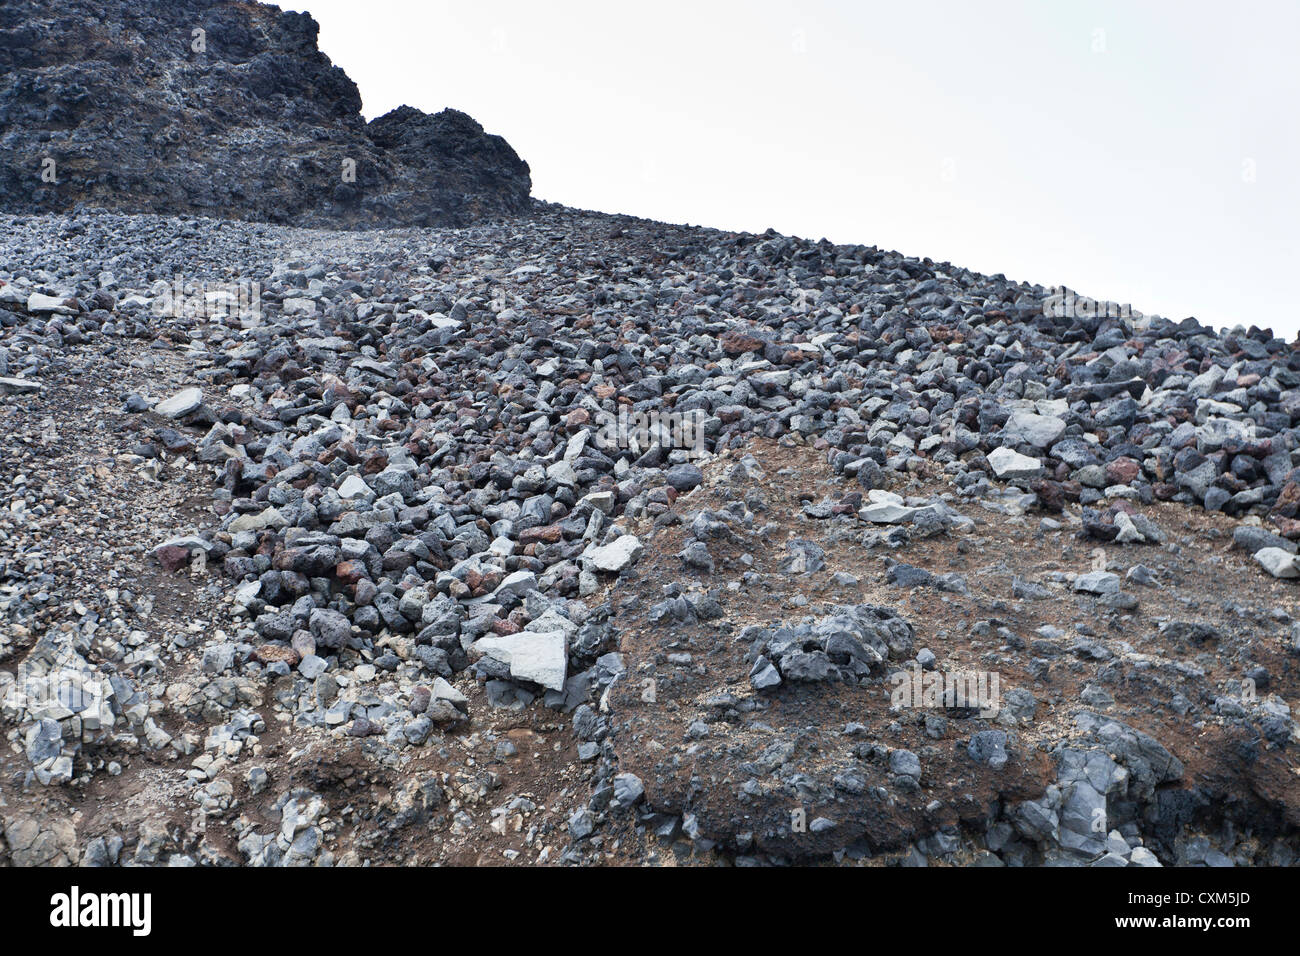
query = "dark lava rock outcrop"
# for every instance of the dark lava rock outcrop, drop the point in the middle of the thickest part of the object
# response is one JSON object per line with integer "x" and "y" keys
{"x": 223, "y": 109}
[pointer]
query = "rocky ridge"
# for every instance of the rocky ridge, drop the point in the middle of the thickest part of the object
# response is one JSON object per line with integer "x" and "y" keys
{"x": 581, "y": 538}
{"x": 212, "y": 107}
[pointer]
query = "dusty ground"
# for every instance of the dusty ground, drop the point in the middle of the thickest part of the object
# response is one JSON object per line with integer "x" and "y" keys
{"x": 1140, "y": 674}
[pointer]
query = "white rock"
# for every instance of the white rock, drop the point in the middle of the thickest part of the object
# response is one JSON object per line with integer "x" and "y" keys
{"x": 299, "y": 306}
{"x": 181, "y": 404}
{"x": 518, "y": 583}
{"x": 441, "y": 690}
{"x": 270, "y": 518}
{"x": 47, "y": 303}
{"x": 1279, "y": 563}
{"x": 532, "y": 656}
{"x": 19, "y": 386}
{"x": 1141, "y": 856}
{"x": 576, "y": 444}
{"x": 191, "y": 541}
{"x": 245, "y": 593}
{"x": 1128, "y": 531}
{"x": 1010, "y": 464}
{"x": 354, "y": 487}
{"x": 886, "y": 512}
{"x": 617, "y": 555}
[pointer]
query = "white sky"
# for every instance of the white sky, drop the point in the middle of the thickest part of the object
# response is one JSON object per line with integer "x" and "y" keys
{"x": 1142, "y": 152}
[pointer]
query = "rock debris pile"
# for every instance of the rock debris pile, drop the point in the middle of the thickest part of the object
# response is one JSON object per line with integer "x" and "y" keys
{"x": 505, "y": 519}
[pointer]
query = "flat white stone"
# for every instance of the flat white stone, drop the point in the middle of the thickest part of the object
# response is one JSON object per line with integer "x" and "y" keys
{"x": 1009, "y": 463}
{"x": 47, "y": 303}
{"x": 886, "y": 512}
{"x": 441, "y": 690}
{"x": 245, "y": 593}
{"x": 181, "y": 404}
{"x": 19, "y": 386}
{"x": 532, "y": 656}
{"x": 602, "y": 501}
{"x": 617, "y": 555}
{"x": 576, "y": 444}
{"x": 518, "y": 583}
{"x": 1097, "y": 582}
{"x": 191, "y": 541}
{"x": 562, "y": 473}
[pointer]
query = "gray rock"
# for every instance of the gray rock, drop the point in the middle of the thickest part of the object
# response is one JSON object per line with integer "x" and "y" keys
{"x": 989, "y": 747}
{"x": 628, "y": 789}
{"x": 1097, "y": 582}
{"x": 1027, "y": 428}
{"x": 183, "y": 403}
{"x": 330, "y": 628}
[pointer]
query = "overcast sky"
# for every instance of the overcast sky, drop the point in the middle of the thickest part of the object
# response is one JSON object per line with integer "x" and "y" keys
{"x": 1142, "y": 152}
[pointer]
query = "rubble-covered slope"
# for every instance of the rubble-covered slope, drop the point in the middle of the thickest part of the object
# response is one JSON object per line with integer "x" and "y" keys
{"x": 581, "y": 538}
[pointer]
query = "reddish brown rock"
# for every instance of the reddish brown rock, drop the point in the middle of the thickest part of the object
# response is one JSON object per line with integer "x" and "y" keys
{"x": 1287, "y": 527}
{"x": 549, "y": 534}
{"x": 1122, "y": 471}
{"x": 738, "y": 343}
{"x": 350, "y": 572}
{"x": 273, "y": 653}
{"x": 173, "y": 557}
{"x": 1050, "y": 495}
{"x": 1288, "y": 501}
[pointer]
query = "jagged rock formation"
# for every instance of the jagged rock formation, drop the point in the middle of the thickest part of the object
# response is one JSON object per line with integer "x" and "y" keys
{"x": 223, "y": 109}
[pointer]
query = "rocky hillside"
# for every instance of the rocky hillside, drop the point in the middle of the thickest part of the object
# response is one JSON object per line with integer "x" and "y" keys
{"x": 225, "y": 109}
{"x": 583, "y": 539}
